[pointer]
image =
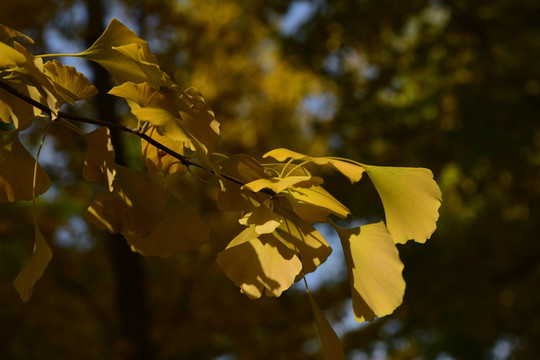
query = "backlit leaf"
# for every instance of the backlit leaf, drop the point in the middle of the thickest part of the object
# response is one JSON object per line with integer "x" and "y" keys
{"x": 10, "y": 57}
{"x": 179, "y": 229}
{"x": 374, "y": 270}
{"x": 133, "y": 208}
{"x": 8, "y": 35}
{"x": 351, "y": 171}
{"x": 158, "y": 160}
{"x": 17, "y": 170}
{"x": 166, "y": 123}
{"x": 99, "y": 165}
{"x": 19, "y": 111}
{"x": 259, "y": 266}
{"x": 143, "y": 95}
{"x": 314, "y": 204}
{"x": 331, "y": 346}
{"x": 303, "y": 239}
{"x": 70, "y": 84}
{"x": 277, "y": 184}
{"x": 34, "y": 268}
{"x": 411, "y": 199}
{"x": 263, "y": 219}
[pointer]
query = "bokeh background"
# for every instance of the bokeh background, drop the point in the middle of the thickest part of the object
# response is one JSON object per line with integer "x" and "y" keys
{"x": 449, "y": 85}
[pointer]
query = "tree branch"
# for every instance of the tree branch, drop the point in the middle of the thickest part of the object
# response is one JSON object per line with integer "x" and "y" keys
{"x": 183, "y": 159}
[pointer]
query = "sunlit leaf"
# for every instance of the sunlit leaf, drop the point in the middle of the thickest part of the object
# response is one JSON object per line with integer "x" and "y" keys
{"x": 263, "y": 219}
{"x": 10, "y": 57}
{"x": 331, "y": 346}
{"x": 158, "y": 160}
{"x": 8, "y": 35}
{"x": 19, "y": 111}
{"x": 99, "y": 165}
{"x": 143, "y": 95}
{"x": 199, "y": 119}
{"x": 277, "y": 184}
{"x": 245, "y": 169}
{"x": 411, "y": 199}
{"x": 34, "y": 268}
{"x": 17, "y": 170}
{"x": 314, "y": 204}
{"x": 259, "y": 266}
{"x": 179, "y": 229}
{"x": 135, "y": 205}
{"x": 166, "y": 123}
{"x": 351, "y": 171}
{"x": 70, "y": 84}
{"x": 303, "y": 239}
{"x": 374, "y": 270}
{"x": 125, "y": 56}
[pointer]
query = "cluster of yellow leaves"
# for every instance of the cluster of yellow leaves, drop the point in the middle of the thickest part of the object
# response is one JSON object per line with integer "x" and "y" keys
{"x": 279, "y": 201}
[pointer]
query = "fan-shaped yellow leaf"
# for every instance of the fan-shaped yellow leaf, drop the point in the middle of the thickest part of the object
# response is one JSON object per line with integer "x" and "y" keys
{"x": 19, "y": 111}
{"x": 157, "y": 160}
{"x": 7, "y": 35}
{"x": 70, "y": 84}
{"x": 10, "y": 57}
{"x": 167, "y": 124}
{"x": 263, "y": 219}
{"x": 179, "y": 229}
{"x": 99, "y": 165}
{"x": 34, "y": 268}
{"x": 133, "y": 208}
{"x": 314, "y": 204}
{"x": 351, "y": 171}
{"x": 259, "y": 266}
{"x": 303, "y": 239}
{"x": 374, "y": 270}
{"x": 331, "y": 346}
{"x": 411, "y": 200}
{"x": 277, "y": 184}
{"x": 17, "y": 170}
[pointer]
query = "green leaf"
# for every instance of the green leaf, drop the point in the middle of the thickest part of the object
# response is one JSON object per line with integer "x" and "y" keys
{"x": 178, "y": 229}
{"x": 411, "y": 199}
{"x": 34, "y": 268}
{"x": 17, "y": 170}
{"x": 259, "y": 266}
{"x": 99, "y": 165}
{"x": 351, "y": 171}
{"x": 331, "y": 346}
{"x": 374, "y": 270}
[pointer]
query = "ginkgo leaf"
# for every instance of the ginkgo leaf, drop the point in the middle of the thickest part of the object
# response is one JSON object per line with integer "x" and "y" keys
{"x": 10, "y": 57}
{"x": 167, "y": 124}
{"x": 179, "y": 229}
{"x": 198, "y": 119}
{"x": 331, "y": 346}
{"x": 125, "y": 56}
{"x": 135, "y": 205}
{"x": 259, "y": 266}
{"x": 314, "y": 204}
{"x": 70, "y": 84}
{"x": 19, "y": 111}
{"x": 158, "y": 160}
{"x": 99, "y": 165}
{"x": 277, "y": 184}
{"x": 17, "y": 170}
{"x": 375, "y": 269}
{"x": 7, "y": 35}
{"x": 245, "y": 169}
{"x": 303, "y": 239}
{"x": 263, "y": 219}
{"x": 352, "y": 171}
{"x": 411, "y": 199}
{"x": 34, "y": 268}
{"x": 143, "y": 95}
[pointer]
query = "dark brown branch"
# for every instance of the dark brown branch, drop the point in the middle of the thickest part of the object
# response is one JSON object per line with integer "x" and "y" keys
{"x": 183, "y": 159}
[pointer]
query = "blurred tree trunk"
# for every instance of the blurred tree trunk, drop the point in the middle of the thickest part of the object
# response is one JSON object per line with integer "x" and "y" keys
{"x": 131, "y": 296}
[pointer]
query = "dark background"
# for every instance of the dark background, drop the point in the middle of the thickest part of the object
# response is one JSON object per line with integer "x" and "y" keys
{"x": 449, "y": 85}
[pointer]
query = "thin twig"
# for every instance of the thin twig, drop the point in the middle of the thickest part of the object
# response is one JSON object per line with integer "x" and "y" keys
{"x": 183, "y": 159}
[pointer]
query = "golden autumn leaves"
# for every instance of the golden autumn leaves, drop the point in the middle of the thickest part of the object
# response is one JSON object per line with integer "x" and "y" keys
{"x": 279, "y": 199}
